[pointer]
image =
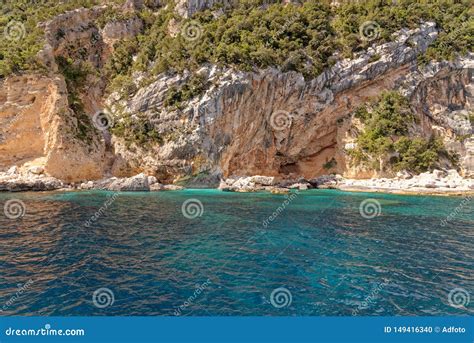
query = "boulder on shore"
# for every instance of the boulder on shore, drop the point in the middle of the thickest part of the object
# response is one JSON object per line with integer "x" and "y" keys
{"x": 137, "y": 183}
{"x": 31, "y": 185}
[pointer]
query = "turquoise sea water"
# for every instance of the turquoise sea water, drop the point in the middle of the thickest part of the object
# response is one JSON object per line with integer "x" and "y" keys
{"x": 318, "y": 255}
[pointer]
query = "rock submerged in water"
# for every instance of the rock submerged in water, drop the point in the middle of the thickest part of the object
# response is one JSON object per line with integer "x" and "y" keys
{"x": 278, "y": 190}
{"x": 172, "y": 188}
{"x": 248, "y": 184}
{"x": 157, "y": 187}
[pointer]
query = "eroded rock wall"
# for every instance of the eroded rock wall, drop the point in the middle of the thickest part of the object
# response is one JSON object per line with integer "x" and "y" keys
{"x": 246, "y": 123}
{"x": 39, "y": 129}
{"x": 280, "y": 124}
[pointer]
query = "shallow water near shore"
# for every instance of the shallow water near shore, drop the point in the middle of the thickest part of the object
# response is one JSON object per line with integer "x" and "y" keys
{"x": 403, "y": 259}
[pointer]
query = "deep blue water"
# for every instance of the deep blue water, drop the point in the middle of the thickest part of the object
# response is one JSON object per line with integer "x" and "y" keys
{"x": 329, "y": 258}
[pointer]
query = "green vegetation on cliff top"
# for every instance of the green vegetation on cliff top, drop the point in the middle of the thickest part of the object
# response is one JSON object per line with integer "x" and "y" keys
{"x": 291, "y": 37}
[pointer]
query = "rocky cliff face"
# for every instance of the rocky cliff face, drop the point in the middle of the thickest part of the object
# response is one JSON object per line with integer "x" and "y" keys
{"x": 279, "y": 124}
{"x": 246, "y": 123}
{"x": 187, "y": 8}
{"x": 39, "y": 129}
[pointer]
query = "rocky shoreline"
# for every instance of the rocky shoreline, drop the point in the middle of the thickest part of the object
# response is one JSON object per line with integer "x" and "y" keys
{"x": 437, "y": 182}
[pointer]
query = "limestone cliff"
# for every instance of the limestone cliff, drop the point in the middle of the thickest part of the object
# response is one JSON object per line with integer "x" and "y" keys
{"x": 265, "y": 122}
{"x": 280, "y": 124}
{"x": 39, "y": 129}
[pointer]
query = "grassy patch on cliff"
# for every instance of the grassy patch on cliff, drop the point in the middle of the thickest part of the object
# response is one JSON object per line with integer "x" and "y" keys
{"x": 386, "y": 143}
